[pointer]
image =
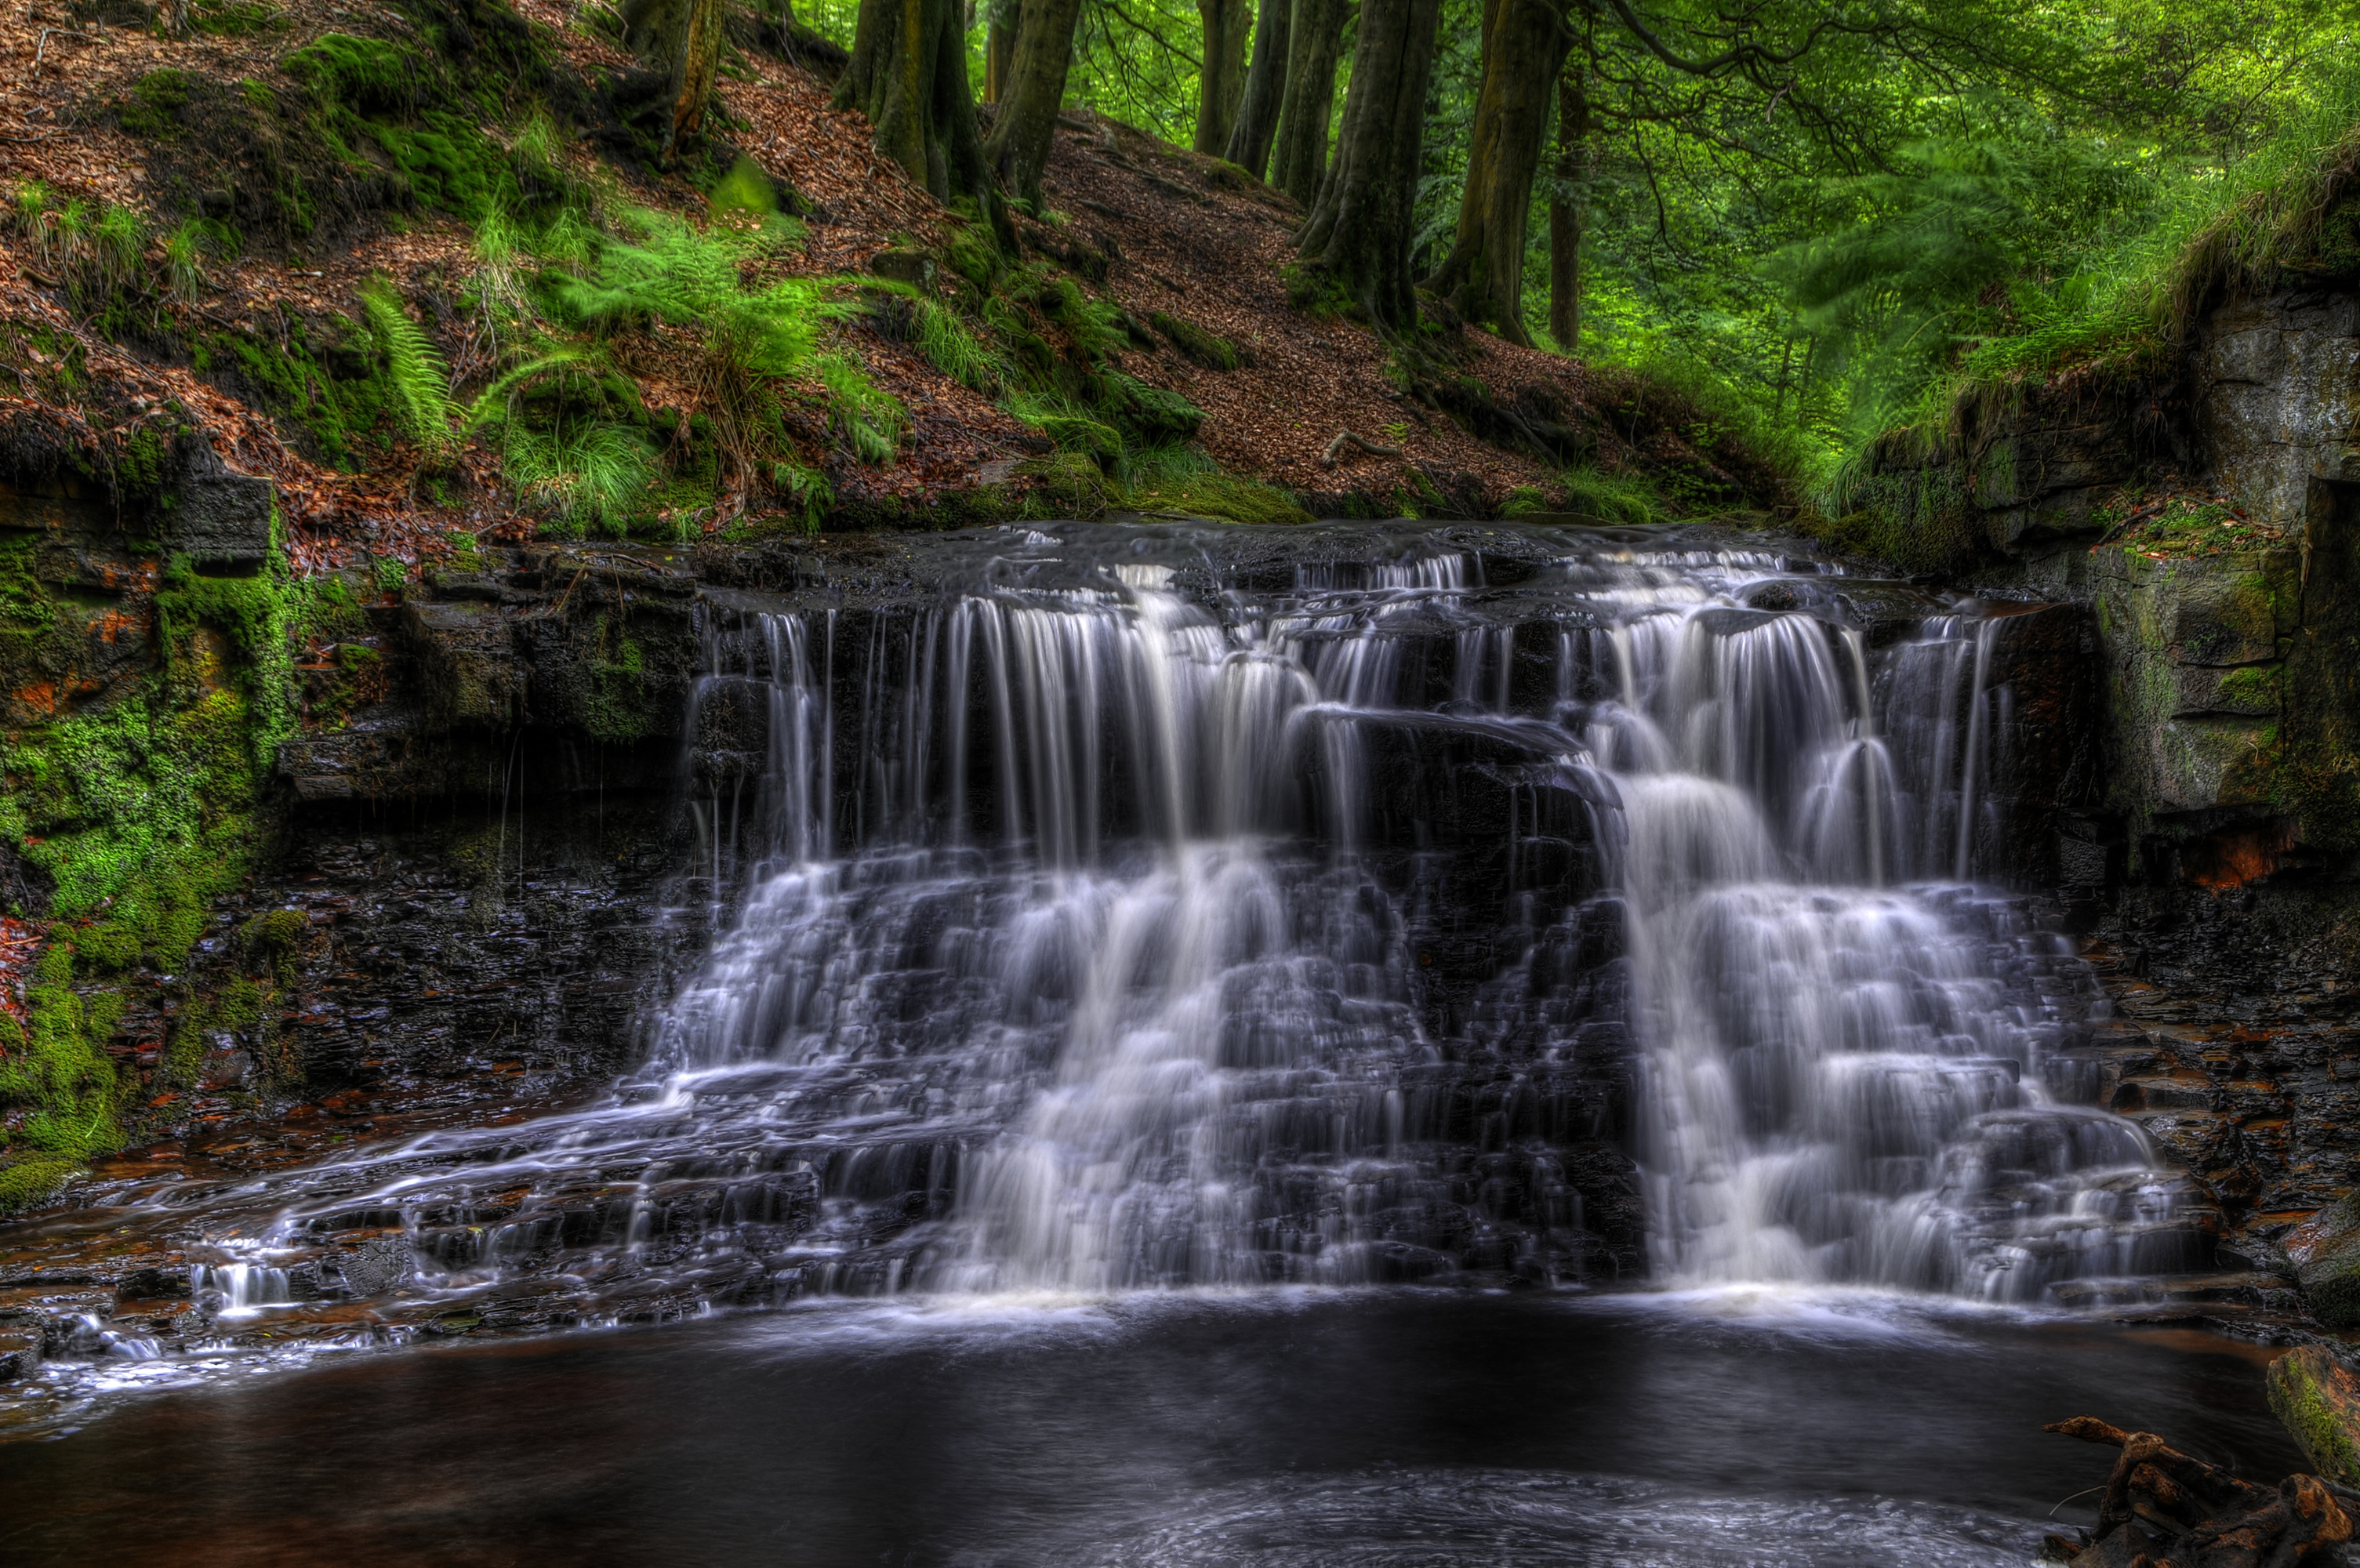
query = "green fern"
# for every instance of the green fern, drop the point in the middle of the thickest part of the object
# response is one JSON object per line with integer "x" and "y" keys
{"x": 420, "y": 381}
{"x": 871, "y": 419}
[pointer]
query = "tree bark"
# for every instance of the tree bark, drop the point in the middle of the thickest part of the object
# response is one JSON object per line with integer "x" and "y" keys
{"x": 908, "y": 74}
{"x": 1265, "y": 84}
{"x": 999, "y": 47}
{"x": 1221, "y": 80}
{"x": 1021, "y": 136}
{"x": 1483, "y": 277}
{"x": 1358, "y": 236}
{"x": 700, "y": 61}
{"x": 1569, "y": 208}
{"x": 1314, "y": 39}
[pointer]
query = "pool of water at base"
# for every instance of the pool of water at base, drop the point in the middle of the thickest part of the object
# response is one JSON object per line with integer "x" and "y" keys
{"x": 1389, "y": 1428}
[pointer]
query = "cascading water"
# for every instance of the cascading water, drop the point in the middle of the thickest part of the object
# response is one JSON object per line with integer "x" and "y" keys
{"x": 1120, "y": 916}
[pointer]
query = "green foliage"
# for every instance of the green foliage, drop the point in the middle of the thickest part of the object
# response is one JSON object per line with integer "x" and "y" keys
{"x": 1610, "y": 497}
{"x": 596, "y": 474}
{"x": 870, "y": 420}
{"x": 950, "y": 347}
{"x": 419, "y": 378}
{"x": 569, "y": 423}
{"x": 1181, "y": 481}
{"x": 184, "y": 262}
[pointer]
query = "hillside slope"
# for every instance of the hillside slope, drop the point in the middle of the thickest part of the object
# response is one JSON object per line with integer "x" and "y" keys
{"x": 294, "y": 153}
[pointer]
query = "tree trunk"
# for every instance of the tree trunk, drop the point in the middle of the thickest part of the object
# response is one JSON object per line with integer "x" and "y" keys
{"x": 909, "y": 76}
{"x": 1315, "y": 37}
{"x": 1569, "y": 208}
{"x": 999, "y": 47}
{"x": 1265, "y": 84}
{"x": 700, "y": 61}
{"x": 1221, "y": 81}
{"x": 1358, "y": 236}
{"x": 1018, "y": 147}
{"x": 1483, "y": 277}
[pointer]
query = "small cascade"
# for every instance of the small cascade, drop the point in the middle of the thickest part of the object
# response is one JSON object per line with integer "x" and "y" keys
{"x": 1114, "y": 917}
{"x": 240, "y": 1290}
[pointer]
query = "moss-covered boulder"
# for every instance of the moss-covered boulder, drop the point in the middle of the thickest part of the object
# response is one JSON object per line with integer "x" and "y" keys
{"x": 2318, "y": 1403}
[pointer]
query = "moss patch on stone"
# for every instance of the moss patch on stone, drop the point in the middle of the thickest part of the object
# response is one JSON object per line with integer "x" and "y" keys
{"x": 2319, "y": 1404}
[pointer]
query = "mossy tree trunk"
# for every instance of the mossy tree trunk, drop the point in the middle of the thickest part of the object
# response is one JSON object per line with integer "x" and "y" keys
{"x": 1257, "y": 122}
{"x": 1483, "y": 275}
{"x": 1221, "y": 80}
{"x": 1569, "y": 207}
{"x": 680, "y": 40}
{"x": 1358, "y": 236}
{"x": 1018, "y": 149}
{"x": 1315, "y": 40}
{"x": 908, "y": 74}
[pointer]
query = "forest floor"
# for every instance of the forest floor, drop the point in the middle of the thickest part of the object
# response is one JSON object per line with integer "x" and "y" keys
{"x": 1177, "y": 235}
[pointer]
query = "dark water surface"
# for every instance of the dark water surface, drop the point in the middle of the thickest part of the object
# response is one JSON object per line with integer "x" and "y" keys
{"x": 1305, "y": 1427}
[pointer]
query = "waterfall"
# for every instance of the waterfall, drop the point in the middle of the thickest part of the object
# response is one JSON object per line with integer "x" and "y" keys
{"x": 1115, "y": 918}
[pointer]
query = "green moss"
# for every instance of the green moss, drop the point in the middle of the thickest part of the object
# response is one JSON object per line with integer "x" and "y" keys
{"x": 235, "y": 18}
{"x": 615, "y": 707}
{"x": 27, "y": 1181}
{"x": 238, "y": 1006}
{"x": 329, "y": 385}
{"x": 1207, "y": 349}
{"x": 63, "y": 1088}
{"x": 1221, "y": 497}
{"x": 2312, "y": 1397}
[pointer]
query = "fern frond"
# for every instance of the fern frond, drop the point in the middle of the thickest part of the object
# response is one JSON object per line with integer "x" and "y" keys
{"x": 419, "y": 377}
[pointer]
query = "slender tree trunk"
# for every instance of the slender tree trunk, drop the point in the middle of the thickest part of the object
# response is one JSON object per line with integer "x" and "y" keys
{"x": 700, "y": 61}
{"x": 999, "y": 47}
{"x": 1358, "y": 236}
{"x": 1314, "y": 39}
{"x": 1569, "y": 207}
{"x": 1265, "y": 84}
{"x": 1483, "y": 277}
{"x": 1221, "y": 80}
{"x": 1018, "y": 147}
{"x": 908, "y": 74}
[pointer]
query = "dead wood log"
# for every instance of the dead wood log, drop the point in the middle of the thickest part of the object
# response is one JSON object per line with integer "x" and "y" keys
{"x": 2163, "y": 1508}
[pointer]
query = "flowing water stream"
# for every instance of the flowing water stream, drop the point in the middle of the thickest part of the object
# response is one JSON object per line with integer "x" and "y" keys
{"x": 1578, "y": 906}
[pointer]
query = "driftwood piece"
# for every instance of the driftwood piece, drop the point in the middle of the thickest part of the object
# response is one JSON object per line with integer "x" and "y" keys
{"x": 2163, "y": 1508}
{"x": 1346, "y": 437}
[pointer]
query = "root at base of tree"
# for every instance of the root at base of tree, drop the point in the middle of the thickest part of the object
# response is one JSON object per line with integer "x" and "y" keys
{"x": 1335, "y": 450}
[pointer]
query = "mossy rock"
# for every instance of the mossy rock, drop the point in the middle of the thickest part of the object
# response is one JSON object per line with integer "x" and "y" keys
{"x": 2325, "y": 1250}
{"x": 1207, "y": 349}
{"x": 2319, "y": 1404}
{"x": 28, "y": 1181}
